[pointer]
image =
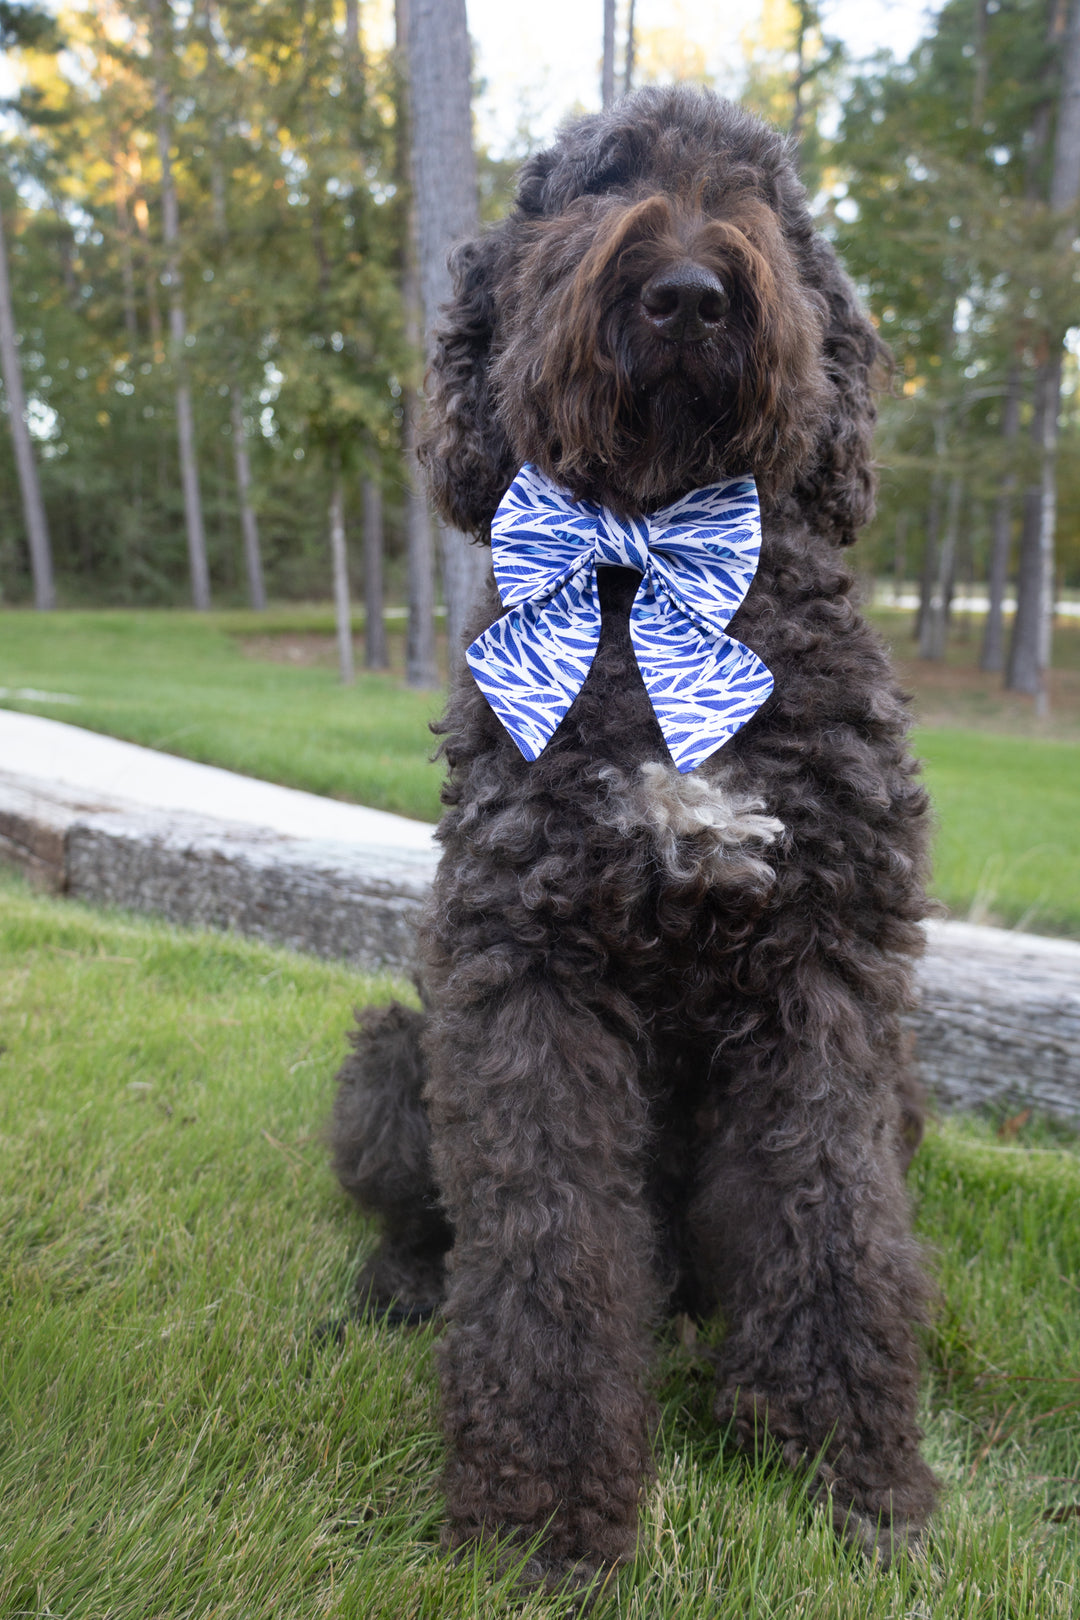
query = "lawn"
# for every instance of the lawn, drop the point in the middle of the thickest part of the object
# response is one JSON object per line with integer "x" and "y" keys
{"x": 259, "y": 694}
{"x": 174, "y": 1442}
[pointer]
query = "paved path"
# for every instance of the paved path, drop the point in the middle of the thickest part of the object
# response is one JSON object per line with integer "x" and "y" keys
{"x": 102, "y": 767}
{"x": 115, "y": 824}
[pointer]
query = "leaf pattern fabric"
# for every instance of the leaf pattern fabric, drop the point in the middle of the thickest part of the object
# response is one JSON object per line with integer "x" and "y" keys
{"x": 697, "y": 558}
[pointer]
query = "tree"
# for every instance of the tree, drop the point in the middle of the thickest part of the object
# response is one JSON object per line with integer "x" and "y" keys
{"x": 161, "y": 29}
{"x": 23, "y": 25}
{"x": 444, "y": 182}
{"x": 607, "y": 70}
{"x": 1029, "y": 652}
{"x": 37, "y": 528}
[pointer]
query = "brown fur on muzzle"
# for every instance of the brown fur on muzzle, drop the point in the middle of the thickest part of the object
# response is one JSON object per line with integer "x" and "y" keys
{"x": 615, "y": 410}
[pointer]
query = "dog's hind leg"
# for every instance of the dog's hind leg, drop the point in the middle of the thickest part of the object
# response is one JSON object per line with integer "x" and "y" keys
{"x": 539, "y": 1126}
{"x": 801, "y": 1219}
{"x": 380, "y": 1139}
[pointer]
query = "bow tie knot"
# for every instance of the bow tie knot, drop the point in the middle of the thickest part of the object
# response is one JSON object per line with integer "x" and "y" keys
{"x": 622, "y": 544}
{"x": 697, "y": 557}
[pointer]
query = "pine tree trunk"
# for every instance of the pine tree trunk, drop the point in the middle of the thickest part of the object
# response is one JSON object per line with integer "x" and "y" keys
{"x": 37, "y": 528}
{"x": 992, "y": 656}
{"x": 127, "y": 265}
{"x": 375, "y": 652}
{"x": 444, "y": 185}
{"x": 421, "y": 669}
{"x": 1029, "y": 654}
{"x": 342, "y": 614}
{"x": 249, "y": 523}
{"x": 900, "y": 556}
{"x": 936, "y": 625}
{"x": 631, "y": 44}
{"x": 929, "y": 571}
{"x": 185, "y": 421}
{"x": 607, "y": 71}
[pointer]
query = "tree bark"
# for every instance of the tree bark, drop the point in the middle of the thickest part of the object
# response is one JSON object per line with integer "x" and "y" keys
{"x": 127, "y": 266}
{"x": 375, "y": 652}
{"x": 631, "y": 50}
{"x": 161, "y": 17}
{"x": 421, "y": 669}
{"x": 37, "y": 527}
{"x": 420, "y": 665}
{"x": 992, "y": 656}
{"x": 342, "y": 614}
{"x": 607, "y": 70}
{"x": 900, "y": 556}
{"x": 982, "y": 66}
{"x": 249, "y": 524}
{"x": 1029, "y": 655}
{"x": 936, "y": 625}
{"x": 444, "y": 185}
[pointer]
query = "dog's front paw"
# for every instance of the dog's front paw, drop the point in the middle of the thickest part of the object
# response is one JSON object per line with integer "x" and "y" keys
{"x": 578, "y": 1579}
{"x": 882, "y": 1538}
{"x": 531, "y": 1567}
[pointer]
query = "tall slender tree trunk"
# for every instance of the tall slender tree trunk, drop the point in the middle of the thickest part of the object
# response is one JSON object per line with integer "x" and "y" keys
{"x": 931, "y": 561}
{"x": 1029, "y": 653}
{"x": 421, "y": 669}
{"x": 802, "y": 70}
{"x": 249, "y": 524}
{"x": 992, "y": 655}
{"x": 631, "y": 51}
{"x": 161, "y": 15}
{"x": 936, "y": 624}
{"x": 153, "y": 312}
{"x": 444, "y": 181}
{"x": 127, "y": 265}
{"x": 342, "y": 611}
{"x": 375, "y": 651}
{"x": 37, "y": 527}
{"x": 900, "y": 555}
{"x": 607, "y": 70}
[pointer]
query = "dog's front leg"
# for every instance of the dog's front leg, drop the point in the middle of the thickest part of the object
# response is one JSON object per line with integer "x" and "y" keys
{"x": 802, "y": 1222}
{"x": 539, "y": 1123}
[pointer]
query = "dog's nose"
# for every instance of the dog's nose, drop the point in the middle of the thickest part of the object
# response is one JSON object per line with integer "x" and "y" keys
{"x": 685, "y": 302}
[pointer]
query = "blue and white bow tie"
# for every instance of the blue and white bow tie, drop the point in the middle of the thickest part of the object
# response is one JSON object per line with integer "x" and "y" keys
{"x": 697, "y": 557}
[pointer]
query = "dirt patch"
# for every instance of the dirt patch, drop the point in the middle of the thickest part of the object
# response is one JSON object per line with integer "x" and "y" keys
{"x": 955, "y": 692}
{"x": 314, "y": 649}
{"x": 952, "y": 693}
{"x": 304, "y": 650}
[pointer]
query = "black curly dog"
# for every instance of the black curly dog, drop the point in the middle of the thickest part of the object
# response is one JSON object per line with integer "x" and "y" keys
{"x": 661, "y": 1067}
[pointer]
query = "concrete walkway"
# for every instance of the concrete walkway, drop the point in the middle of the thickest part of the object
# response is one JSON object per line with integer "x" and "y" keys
{"x": 103, "y": 768}
{"x": 108, "y": 822}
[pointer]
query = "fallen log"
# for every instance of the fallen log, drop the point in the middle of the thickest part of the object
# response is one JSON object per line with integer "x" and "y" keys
{"x": 997, "y": 1022}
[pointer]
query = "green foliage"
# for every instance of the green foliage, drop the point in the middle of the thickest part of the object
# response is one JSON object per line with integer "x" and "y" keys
{"x": 174, "y": 1440}
{"x": 290, "y": 221}
{"x": 938, "y": 210}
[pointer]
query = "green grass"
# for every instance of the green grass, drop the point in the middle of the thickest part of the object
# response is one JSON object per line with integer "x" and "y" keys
{"x": 173, "y": 1443}
{"x": 182, "y": 682}
{"x": 1008, "y": 849}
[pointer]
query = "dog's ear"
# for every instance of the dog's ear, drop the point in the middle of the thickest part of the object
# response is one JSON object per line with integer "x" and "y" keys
{"x": 840, "y": 485}
{"x": 464, "y": 451}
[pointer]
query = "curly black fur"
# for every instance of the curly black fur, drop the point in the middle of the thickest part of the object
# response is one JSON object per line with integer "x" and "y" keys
{"x": 666, "y": 1067}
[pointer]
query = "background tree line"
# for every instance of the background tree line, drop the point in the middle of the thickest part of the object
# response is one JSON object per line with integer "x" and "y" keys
{"x": 210, "y": 216}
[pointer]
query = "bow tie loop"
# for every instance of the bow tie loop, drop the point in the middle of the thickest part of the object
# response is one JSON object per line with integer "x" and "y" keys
{"x": 697, "y": 557}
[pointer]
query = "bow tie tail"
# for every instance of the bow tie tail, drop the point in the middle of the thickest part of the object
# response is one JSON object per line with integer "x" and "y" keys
{"x": 704, "y": 686}
{"x": 532, "y": 663}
